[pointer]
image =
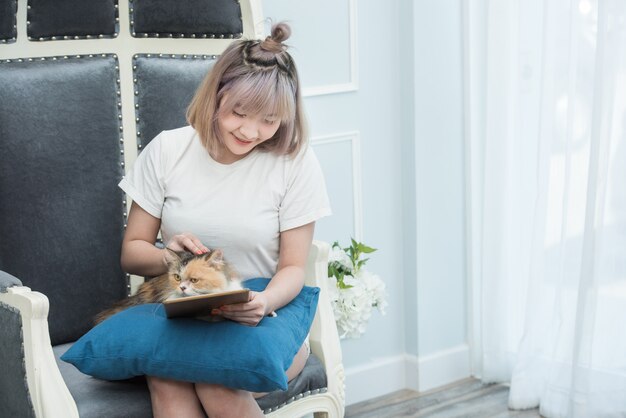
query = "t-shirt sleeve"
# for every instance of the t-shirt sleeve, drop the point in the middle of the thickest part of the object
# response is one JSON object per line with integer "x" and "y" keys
{"x": 144, "y": 181}
{"x": 306, "y": 199}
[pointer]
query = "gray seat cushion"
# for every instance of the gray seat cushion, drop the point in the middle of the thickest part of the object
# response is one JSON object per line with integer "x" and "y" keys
{"x": 130, "y": 398}
{"x": 100, "y": 398}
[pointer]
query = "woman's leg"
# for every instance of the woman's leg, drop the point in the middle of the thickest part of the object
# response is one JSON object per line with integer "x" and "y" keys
{"x": 298, "y": 362}
{"x": 296, "y": 367}
{"x": 222, "y": 402}
{"x": 171, "y": 398}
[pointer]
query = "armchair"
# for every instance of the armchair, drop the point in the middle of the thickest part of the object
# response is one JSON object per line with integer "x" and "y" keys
{"x": 37, "y": 384}
{"x": 62, "y": 216}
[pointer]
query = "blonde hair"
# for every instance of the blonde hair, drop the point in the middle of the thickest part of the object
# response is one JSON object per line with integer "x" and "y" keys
{"x": 256, "y": 77}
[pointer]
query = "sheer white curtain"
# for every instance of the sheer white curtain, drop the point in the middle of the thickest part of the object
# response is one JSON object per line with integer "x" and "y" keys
{"x": 547, "y": 126}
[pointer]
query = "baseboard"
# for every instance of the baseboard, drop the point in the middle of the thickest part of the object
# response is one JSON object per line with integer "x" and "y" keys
{"x": 377, "y": 378}
{"x": 443, "y": 367}
{"x": 390, "y": 374}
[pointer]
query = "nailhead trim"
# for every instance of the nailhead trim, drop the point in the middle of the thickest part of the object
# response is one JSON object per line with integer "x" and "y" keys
{"x": 200, "y": 35}
{"x": 295, "y": 398}
{"x": 135, "y": 80}
{"x": 13, "y": 39}
{"x": 119, "y": 114}
{"x": 76, "y": 37}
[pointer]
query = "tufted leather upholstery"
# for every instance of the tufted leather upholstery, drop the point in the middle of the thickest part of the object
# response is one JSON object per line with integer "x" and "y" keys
{"x": 61, "y": 212}
{"x": 14, "y": 394}
{"x": 164, "y": 87}
{"x": 214, "y": 18}
{"x": 8, "y": 10}
{"x": 71, "y": 18}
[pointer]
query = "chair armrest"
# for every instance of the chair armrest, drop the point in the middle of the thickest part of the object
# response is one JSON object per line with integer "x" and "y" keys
{"x": 324, "y": 337}
{"x": 48, "y": 393}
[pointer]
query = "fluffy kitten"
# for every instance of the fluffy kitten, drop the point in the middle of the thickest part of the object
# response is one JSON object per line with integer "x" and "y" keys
{"x": 188, "y": 275}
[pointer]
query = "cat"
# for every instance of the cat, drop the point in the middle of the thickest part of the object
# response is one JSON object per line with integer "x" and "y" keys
{"x": 187, "y": 275}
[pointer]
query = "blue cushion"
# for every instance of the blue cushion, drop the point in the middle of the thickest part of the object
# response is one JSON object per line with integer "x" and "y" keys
{"x": 142, "y": 341}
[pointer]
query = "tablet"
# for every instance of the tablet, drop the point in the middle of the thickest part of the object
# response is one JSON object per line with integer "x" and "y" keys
{"x": 201, "y": 305}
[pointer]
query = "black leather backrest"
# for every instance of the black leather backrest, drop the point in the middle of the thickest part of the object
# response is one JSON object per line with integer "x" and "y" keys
{"x": 72, "y": 19}
{"x": 188, "y": 18}
{"x": 164, "y": 86}
{"x": 61, "y": 212}
{"x": 8, "y": 27}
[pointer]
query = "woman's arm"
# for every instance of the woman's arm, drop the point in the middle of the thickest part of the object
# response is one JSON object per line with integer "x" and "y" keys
{"x": 285, "y": 285}
{"x": 295, "y": 245}
{"x": 139, "y": 255}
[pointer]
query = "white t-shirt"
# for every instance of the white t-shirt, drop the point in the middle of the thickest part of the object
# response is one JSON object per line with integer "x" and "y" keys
{"x": 240, "y": 207}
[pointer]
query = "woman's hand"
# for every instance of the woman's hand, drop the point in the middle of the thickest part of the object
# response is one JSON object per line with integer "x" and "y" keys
{"x": 249, "y": 313}
{"x": 187, "y": 242}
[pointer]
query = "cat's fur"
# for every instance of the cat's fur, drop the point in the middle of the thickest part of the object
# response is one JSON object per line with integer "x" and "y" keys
{"x": 188, "y": 275}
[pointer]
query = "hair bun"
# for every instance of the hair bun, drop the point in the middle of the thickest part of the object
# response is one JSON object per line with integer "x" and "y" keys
{"x": 274, "y": 43}
{"x": 280, "y": 32}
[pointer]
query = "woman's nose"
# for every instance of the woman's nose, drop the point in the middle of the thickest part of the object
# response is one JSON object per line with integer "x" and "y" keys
{"x": 249, "y": 129}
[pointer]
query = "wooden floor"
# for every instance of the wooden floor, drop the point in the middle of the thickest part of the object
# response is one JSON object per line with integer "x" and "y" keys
{"x": 468, "y": 399}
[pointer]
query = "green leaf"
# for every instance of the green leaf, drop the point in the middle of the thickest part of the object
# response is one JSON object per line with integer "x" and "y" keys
{"x": 332, "y": 271}
{"x": 342, "y": 285}
{"x": 362, "y": 262}
{"x": 365, "y": 249}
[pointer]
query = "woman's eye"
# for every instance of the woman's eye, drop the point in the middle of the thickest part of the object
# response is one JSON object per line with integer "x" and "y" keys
{"x": 238, "y": 114}
{"x": 270, "y": 121}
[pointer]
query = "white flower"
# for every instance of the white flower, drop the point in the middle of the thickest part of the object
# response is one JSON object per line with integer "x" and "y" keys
{"x": 339, "y": 256}
{"x": 354, "y": 292}
{"x": 353, "y": 305}
{"x": 375, "y": 288}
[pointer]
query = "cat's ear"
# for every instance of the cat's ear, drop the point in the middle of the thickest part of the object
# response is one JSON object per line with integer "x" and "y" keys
{"x": 172, "y": 253}
{"x": 171, "y": 256}
{"x": 215, "y": 256}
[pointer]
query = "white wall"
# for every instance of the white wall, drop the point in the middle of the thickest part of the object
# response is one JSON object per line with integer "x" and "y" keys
{"x": 439, "y": 161}
{"x": 388, "y": 130}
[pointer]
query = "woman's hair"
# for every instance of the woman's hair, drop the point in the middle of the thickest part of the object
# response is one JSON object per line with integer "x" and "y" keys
{"x": 255, "y": 77}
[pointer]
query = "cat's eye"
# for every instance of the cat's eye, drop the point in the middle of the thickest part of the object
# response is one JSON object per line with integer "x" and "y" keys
{"x": 194, "y": 280}
{"x": 177, "y": 277}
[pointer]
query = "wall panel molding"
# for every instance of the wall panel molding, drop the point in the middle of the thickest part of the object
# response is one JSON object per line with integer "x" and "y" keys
{"x": 353, "y": 83}
{"x": 353, "y": 138}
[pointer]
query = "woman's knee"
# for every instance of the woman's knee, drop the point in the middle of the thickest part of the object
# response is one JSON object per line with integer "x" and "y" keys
{"x": 172, "y": 396}
{"x": 221, "y": 401}
{"x": 216, "y": 394}
{"x": 168, "y": 387}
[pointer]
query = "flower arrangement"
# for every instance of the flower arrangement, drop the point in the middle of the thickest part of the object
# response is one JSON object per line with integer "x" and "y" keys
{"x": 354, "y": 291}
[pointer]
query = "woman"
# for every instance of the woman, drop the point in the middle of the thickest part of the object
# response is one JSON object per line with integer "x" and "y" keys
{"x": 239, "y": 178}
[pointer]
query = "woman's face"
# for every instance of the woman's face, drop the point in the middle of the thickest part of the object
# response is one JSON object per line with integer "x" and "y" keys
{"x": 242, "y": 132}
